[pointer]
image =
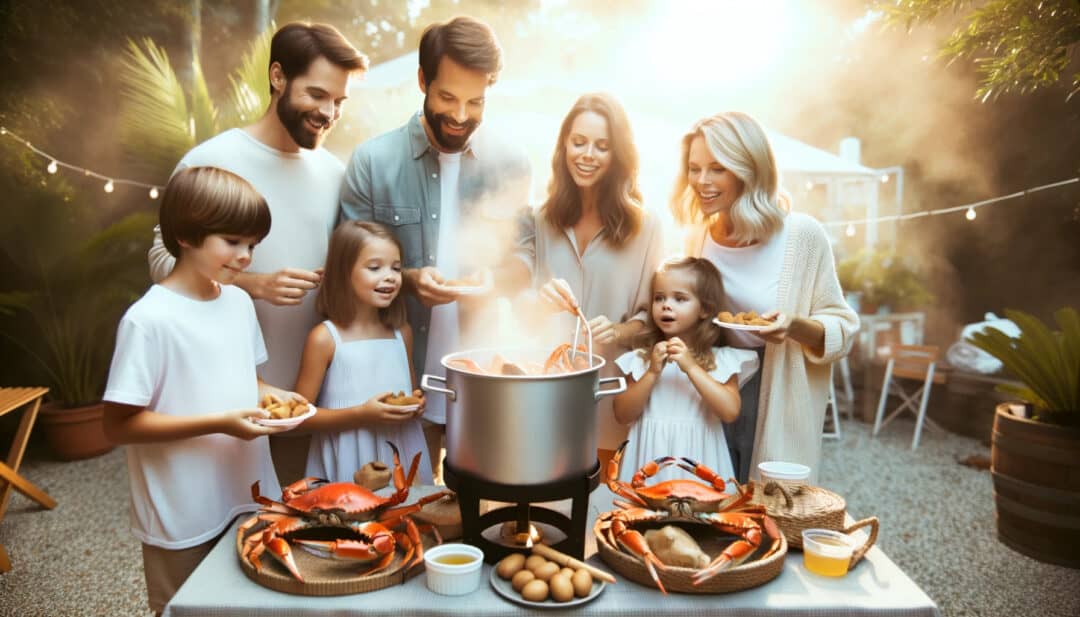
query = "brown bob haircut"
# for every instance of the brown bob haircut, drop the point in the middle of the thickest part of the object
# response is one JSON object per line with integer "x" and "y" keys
{"x": 296, "y": 45}
{"x": 618, "y": 195}
{"x": 200, "y": 201}
{"x": 337, "y": 300}
{"x": 709, "y": 289}
{"x": 465, "y": 40}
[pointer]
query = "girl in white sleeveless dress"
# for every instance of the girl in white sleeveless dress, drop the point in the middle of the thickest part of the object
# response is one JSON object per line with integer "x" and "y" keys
{"x": 684, "y": 384}
{"x": 358, "y": 357}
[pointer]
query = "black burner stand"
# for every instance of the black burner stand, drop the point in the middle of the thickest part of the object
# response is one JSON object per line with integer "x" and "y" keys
{"x": 471, "y": 489}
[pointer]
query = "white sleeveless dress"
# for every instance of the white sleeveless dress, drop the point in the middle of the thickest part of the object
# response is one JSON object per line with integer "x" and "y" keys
{"x": 358, "y": 371}
{"x": 675, "y": 421}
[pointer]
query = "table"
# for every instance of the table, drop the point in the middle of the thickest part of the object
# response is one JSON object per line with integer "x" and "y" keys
{"x": 876, "y": 587}
{"x": 10, "y": 400}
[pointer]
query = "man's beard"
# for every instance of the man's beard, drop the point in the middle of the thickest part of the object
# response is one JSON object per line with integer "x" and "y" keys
{"x": 449, "y": 143}
{"x": 295, "y": 122}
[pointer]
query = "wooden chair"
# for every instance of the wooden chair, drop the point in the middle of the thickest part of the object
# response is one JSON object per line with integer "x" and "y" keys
{"x": 909, "y": 362}
{"x": 10, "y": 400}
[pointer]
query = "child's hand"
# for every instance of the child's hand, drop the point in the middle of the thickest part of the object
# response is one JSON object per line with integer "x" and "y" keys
{"x": 679, "y": 353}
{"x": 375, "y": 410}
{"x": 658, "y": 358}
{"x": 239, "y": 423}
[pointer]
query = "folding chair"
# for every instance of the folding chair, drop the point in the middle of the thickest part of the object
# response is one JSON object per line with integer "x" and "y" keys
{"x": 10, "y": 400}
{"x": 909, "y": 362}
{"x": 833, "y": 405}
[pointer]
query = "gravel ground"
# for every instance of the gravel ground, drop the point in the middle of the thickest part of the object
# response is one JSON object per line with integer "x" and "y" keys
{"x": 937, "y": 524}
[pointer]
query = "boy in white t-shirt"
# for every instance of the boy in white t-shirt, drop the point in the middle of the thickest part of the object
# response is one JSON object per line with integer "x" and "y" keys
{"x": 182, "y": 387}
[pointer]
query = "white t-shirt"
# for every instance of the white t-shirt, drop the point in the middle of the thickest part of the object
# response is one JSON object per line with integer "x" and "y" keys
{"x": 185, "y": 357}
{"x": 302, "y": 189}
{"x": 444, "y": 331}
{"x": 751, "y": 277}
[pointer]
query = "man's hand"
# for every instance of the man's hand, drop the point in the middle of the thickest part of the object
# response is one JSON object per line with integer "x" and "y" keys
{"x": 427, "y": 284}
{"x": 282, "y": 288}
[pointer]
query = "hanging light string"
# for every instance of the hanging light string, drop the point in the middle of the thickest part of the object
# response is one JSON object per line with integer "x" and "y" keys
{"x": 55, "y": 164}
{"x": 970, "y": 208}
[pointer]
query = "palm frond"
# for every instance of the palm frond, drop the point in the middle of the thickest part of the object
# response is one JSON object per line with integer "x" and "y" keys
{"x": 204, "y": 114}
{"x": 250, "y": 83}
{"x": 154, "y": 119}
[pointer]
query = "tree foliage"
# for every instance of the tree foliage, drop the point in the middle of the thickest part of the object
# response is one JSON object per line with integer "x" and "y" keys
{"x": 1017, "y": 45}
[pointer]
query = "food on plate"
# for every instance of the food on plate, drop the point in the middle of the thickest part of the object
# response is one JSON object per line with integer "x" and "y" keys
{"x": 401, "y": 399}
{"x": 510, "y": 565}
{"x": 546, "y": 571}
{"x": 533, "y": 562}
{"x": 535, "y": 591}
{"x": 582, "y": 581}
{"x": 562, "y": 590}
{"x": 748, "y": 318}
{"x": 521, "y": 579}
{"x": 568, "y": 572}
{"x": 280, "y": 410}
{"x": 675, "y": 547}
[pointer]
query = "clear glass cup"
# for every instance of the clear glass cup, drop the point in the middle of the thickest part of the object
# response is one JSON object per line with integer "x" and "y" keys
{"x": 827, "y": 552}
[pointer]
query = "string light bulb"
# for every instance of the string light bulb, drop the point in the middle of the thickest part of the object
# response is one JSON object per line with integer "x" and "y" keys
{"x": 850, "y": 230}
{"x": 809, "y": 185}
{"x": 153, "y": 193}
{"x": 884, "y": 178}
{"x": 52, "y": 167}
{"x": 109, "y": 186}
{"x": 970, "y": 214}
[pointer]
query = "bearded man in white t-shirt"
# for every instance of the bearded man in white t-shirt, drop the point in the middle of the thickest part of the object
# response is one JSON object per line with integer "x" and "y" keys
{"x": 280, "y": 154}
{"x": 434, "y": 177}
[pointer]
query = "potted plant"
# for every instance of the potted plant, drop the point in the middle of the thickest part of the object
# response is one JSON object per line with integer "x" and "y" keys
{"x": 1035, "y": 446}
{"x": 68, "y": 270}
{"x": 883, "y": 280}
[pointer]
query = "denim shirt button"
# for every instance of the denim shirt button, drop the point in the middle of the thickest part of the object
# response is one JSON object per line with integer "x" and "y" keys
{"x": 397, "y": 218}
{"x": 434, "y": 216}
{"x": 434, "y": 175}
{"x": 423, "y": 328}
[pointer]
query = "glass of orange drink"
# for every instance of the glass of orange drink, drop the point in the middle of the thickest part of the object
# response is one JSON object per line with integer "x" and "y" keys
{"x": 827, "y": 552}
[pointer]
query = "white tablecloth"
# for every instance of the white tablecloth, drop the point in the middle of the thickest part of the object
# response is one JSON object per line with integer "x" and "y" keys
{"x": 875, "y": 587}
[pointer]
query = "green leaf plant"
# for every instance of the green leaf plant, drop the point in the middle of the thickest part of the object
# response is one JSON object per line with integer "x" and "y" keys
{"x": 1046, "y": 362}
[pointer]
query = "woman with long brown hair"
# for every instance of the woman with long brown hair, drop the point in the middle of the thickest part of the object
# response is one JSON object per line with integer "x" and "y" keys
{"x": 591, "y": 245}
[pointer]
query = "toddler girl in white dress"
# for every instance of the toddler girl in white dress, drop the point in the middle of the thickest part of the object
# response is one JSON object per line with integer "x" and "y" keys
{"x": 684, "y": 383}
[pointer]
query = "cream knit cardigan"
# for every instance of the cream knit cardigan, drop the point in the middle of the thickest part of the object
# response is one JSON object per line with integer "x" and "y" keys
{"x": 795, "y": 381}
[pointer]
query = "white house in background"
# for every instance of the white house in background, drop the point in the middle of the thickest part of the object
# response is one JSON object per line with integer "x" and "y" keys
{"x": 850, "y": 187}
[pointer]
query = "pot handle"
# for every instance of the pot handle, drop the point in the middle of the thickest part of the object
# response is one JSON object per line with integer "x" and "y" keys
{"x": 600, "y": 393}
{"x": 425, "y": 385}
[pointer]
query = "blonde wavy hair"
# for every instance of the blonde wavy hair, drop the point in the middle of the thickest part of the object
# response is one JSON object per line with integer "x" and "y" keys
{"x": 738, "y": 143}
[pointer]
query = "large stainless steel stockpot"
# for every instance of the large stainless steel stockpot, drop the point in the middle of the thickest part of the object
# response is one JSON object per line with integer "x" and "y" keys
{"x": 521, "y": 429}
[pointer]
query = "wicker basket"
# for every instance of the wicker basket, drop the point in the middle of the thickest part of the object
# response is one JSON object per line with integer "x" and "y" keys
{"x": 748, "y": 574}
{"x": 795, "y": 508}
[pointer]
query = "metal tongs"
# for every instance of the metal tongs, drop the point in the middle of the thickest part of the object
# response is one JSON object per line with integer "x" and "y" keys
{"x": 577, "y": 333}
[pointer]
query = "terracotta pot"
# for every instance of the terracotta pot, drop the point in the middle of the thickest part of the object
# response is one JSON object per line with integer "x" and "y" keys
{"x": 76, "y": 433}
{"x": 1036, "y": 471}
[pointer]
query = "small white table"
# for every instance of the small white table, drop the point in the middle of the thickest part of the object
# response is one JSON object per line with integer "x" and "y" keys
{"x": 876, "y": 587}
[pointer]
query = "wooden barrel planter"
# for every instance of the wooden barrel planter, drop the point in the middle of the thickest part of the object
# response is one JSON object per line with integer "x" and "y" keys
{"x": 1036, "y": 471}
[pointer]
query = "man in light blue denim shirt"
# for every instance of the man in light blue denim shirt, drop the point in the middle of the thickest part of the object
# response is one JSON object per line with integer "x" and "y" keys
{"x": 435, "y": 176}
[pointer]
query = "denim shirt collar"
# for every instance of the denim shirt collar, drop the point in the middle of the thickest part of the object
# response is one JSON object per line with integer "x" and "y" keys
{"x": 419, "y": 143}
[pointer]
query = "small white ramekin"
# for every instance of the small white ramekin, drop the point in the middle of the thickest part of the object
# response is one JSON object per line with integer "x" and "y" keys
{"x": 453, "y": 579}
{"x": 785, "y": 473}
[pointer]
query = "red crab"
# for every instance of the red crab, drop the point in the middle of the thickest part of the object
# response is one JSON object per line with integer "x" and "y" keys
{"x": 312, "y": 503}
{"x": 684, "y": 500}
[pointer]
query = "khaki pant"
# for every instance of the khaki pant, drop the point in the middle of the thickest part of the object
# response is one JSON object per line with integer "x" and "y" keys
{"x": 166, "y": 570}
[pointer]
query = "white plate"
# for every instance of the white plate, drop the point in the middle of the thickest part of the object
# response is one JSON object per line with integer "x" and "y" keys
{"x": 737, "y": 326}
{"x": 405, "y": 408}
{"x": 506, "y": 590}
{"x": 287, "y": 422}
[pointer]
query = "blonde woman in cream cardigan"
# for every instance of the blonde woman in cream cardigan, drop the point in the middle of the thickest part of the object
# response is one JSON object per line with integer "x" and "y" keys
{"x": 777, "y": 263}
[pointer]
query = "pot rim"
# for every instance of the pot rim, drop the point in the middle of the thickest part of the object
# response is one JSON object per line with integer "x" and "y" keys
{"x": 597, "y": 363}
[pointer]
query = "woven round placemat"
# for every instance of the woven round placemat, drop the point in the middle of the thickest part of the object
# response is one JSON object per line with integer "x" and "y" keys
{"x": 323, "y": 577}
{"x": 750, "y": 573}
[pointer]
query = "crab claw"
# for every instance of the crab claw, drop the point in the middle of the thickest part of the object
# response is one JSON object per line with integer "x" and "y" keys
{"x": 280, "y": 550}
{"x": 634, "y": 542}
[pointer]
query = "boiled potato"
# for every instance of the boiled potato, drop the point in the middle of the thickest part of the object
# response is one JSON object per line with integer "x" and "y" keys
{"x": 510, "y": 565}
{"x": 522, "y": 578}
{"x": 546, "y": 571}
{"x": 534, "y": 562}
{"x": 567, "y": 571}
{"x": 562, "y": 590}
{"x": 535, "y": 591}
{"x": 582, "y": 581}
